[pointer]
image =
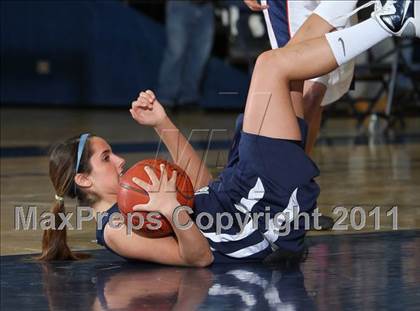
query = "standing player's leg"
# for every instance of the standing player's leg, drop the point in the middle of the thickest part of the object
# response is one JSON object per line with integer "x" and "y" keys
{"x": 170, "y": 75}
{"x": 310, "y": 94}
{"x": 307, "y": 96}
{"x": 198, "y": 52}
{"x": 313, "y": 96}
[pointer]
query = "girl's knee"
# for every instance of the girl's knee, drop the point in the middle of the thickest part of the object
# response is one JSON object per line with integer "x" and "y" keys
{"x": 272, "y": 61}
{"x": 265, "y": 58}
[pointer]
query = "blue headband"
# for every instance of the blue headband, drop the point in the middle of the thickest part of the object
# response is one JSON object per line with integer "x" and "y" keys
{"x": 80, "y": 148}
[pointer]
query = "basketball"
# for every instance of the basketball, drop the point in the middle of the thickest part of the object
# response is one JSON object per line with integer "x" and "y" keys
{"x": 130, "y": 194}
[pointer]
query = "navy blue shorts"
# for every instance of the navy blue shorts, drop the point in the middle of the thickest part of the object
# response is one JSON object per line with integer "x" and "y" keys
{"x": 266, "y": 176}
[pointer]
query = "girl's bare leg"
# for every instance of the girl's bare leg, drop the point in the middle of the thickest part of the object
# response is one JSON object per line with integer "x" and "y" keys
{"x": 269, "y": 111}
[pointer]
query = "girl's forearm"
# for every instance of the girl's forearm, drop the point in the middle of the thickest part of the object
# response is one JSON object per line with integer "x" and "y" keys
{"x": 193, "y": 246}
{"x": 183, "y": 153}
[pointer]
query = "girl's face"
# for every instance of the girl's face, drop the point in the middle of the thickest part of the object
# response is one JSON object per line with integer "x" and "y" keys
{"x": 106, "y": 168}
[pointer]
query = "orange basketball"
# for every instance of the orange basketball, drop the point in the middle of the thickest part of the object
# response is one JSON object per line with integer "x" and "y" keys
{"x": 130, "y": 194}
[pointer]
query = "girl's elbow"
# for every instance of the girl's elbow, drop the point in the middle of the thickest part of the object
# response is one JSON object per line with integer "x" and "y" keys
{"x": 200, "y": 260}
{"x": 204, "y": 261}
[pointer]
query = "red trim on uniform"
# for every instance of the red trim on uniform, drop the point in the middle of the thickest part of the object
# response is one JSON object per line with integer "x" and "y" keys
{"x": 288, "y": 18}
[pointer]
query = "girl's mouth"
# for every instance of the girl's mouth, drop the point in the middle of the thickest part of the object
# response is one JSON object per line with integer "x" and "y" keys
{"x": 122, "y": 172}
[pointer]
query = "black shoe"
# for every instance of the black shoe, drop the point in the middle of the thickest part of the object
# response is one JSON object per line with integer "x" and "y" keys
{"x": 399, "y": 17}
{"x": 324, "y": 223}
{"x": 283, "y": 258}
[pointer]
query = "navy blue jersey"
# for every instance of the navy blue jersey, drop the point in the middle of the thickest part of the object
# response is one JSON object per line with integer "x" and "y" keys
{"x": 263, "y": 176}
{"x": 100, "y": 232}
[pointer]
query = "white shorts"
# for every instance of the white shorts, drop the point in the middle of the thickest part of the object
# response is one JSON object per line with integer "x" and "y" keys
{"x": 284, "y": 18}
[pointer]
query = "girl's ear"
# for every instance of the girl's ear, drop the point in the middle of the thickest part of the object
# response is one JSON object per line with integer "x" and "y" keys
{"x": 82, "y": 180}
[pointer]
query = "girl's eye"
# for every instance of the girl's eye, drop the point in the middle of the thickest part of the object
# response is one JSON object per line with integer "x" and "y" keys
{"x": 106, "y": 158}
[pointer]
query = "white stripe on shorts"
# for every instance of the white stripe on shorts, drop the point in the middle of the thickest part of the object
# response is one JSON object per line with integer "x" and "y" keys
{"x": 250, "y": 250}
{"x": 223, "y": 237}
{"x": 254, "y": 196}
{"x": 271, "y": 35}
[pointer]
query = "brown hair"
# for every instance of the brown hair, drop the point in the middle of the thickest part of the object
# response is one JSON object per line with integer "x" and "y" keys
{"x": 62, "y": 170}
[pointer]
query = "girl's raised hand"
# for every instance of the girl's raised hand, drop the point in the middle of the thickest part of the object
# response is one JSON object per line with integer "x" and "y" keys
{"x": 147, "y": 110}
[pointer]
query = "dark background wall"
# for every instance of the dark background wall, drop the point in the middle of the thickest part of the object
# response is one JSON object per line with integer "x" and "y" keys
{"x": 93, "y": 53}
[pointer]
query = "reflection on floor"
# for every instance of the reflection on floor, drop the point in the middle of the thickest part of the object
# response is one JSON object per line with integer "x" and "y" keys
{"x": 349, "y": 272}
